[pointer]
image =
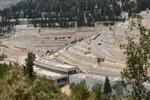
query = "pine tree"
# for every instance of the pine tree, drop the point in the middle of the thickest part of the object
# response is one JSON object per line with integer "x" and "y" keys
{"x": 97, "y": 90}
{"x": 79, "y": 91}
{"x": 107, "y": 87}
{"x": 29, "y": 65}
{"x": 14, "y": 85}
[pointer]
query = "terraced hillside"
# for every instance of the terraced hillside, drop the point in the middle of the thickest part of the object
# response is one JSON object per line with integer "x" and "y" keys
{"x": 82, "y": 55}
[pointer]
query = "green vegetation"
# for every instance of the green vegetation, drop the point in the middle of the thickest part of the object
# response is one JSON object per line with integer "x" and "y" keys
{"x": 61, "y": 13}
{"x": 111, "y": 23}
{"x": 80, "y": 91}
{"x": 2, "y": 56}
{"x": 107, "y": 86}
{"x": 15, "y": 85}
{"x": 142, "y": 5}
{"x": 3, "y": 69}
{"x": 99, "y": 60}
{"x": 136, "y": 74}
{"x": 65, "y": 13}
{"x": 96, "y": 93}
{"x": 29, "y": 65}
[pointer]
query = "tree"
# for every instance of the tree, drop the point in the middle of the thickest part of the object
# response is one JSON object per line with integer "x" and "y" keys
{"x": 2, "y": 57}
{"x": 14, "y": 85}
{"x": 65, "y": 13}
{"x": 107, "y": 87}
{"x": 92, "y": 96}
{"x": 135, "y": 75}
{"x": 97, "y": 92}
{"x": 119, "y": 89}
{"x": 142, "y": 5}
{"x": 99, "y": 60}
{"x": 3, "y": 69}
{"x": 29, "y": 65}
{"x": 129, "y": 13}
{"x": 79, "y": 91}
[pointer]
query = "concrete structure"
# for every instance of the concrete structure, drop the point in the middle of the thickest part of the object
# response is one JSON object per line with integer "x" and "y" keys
{"x": 54, "y": 70}
{"x": 59, "y": 68}
{"x": 59, "y": 79}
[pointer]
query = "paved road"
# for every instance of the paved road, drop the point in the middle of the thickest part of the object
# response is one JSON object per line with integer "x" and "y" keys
{"x": 99, "y": 49}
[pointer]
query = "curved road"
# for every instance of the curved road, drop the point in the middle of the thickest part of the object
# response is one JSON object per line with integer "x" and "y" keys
{"x": 98, "y": 48}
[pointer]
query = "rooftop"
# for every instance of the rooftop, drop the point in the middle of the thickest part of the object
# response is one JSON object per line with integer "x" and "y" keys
{"x": 48, "y": 74}
{"x": 55, "y": 65}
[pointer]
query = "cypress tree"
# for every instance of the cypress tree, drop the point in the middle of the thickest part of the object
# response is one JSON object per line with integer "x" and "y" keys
{"x": 29, "y": 65}
{"x": 107, "y": 87}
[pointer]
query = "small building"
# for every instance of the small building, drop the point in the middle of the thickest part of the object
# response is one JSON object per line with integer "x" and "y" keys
{"x": 59, "y": 79}
{"x": 56, "y": 71}
{"x": 58, "y": 68}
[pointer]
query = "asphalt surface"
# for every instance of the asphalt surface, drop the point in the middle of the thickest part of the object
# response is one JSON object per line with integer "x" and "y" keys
{"x": 98, "y": 47}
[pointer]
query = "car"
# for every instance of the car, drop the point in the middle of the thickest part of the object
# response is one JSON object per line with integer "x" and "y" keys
{"x": 99, "y": 44}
